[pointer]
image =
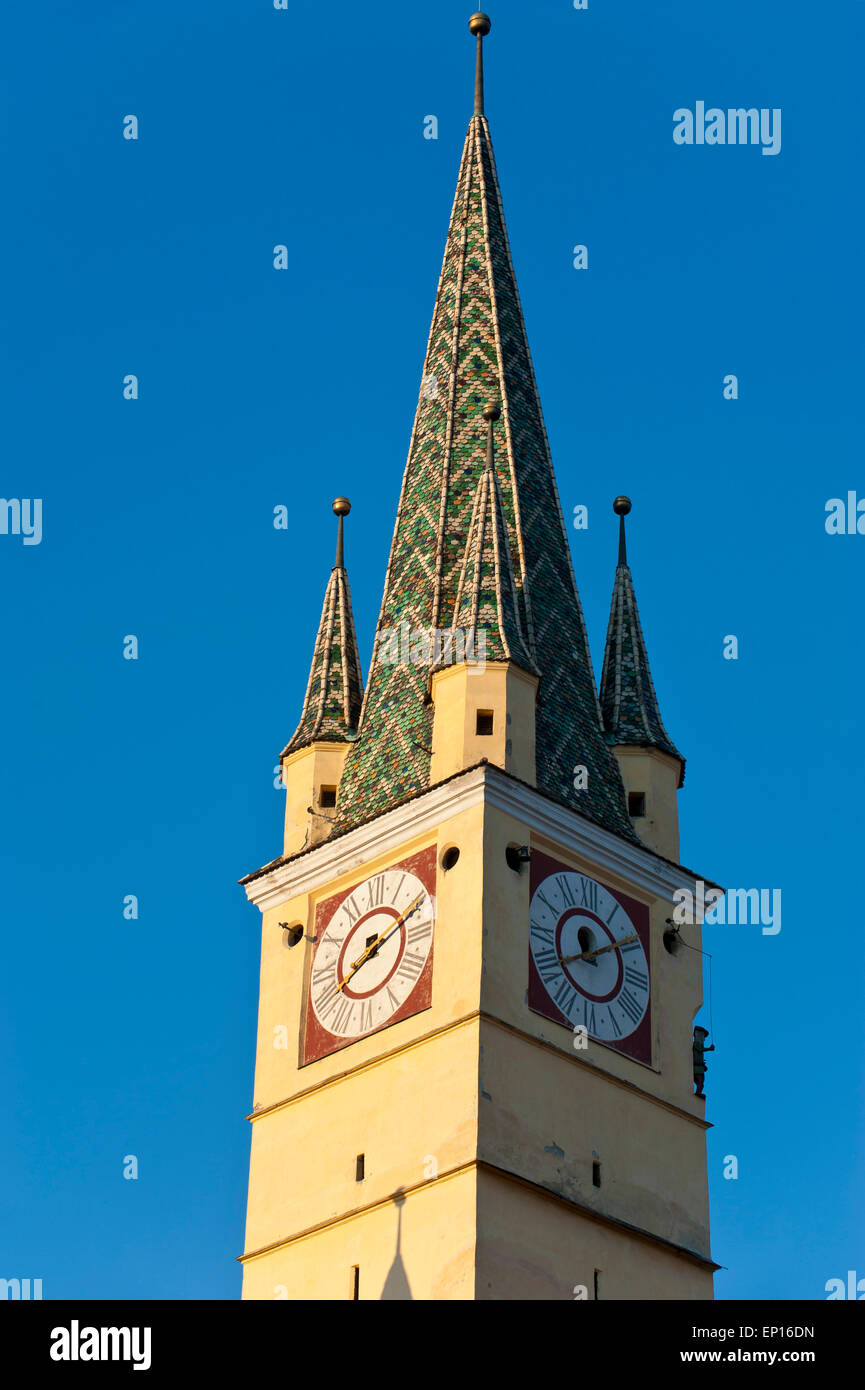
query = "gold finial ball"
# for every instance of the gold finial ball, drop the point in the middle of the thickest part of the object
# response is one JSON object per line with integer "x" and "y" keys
{"x": 492, "y": 411}
{"x": 622, "y": 506}
{"x": 342, "y": 506}
{"x": 480, "y": 23}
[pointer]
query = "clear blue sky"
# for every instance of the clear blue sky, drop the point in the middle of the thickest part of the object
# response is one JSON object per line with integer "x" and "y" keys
{"x": 258, "y": 388}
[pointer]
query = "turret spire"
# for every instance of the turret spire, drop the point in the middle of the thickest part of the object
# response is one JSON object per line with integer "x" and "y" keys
{"x": 331, "y": 706}
{"x": 487, "y": 609}
{"x": 628, "y": 700}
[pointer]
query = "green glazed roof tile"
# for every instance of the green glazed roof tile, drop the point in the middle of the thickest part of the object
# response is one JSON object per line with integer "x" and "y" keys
{"x": 334, "y": 692}
{"x": 628, "y": 700}
{"x": 478, "y": 351}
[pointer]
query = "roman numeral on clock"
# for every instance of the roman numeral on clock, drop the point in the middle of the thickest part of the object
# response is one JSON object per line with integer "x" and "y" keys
{"x": 630, "y": 1005}
{"x": 411, "y": 966}
{"x": 545, "y": 933}
{"x": 547, "y": 963}
{"x": 554, "y": 912}
{"x": 342, "y": 1015}
{"x": 417, "y": 932}
{"x": 561, "y": 997}
{"x": 590, "y": 893}
{"x": 326, "y": 1003}
{"x": 565, "y": 890}
{"x": 352, "y": 911}
{"x": 376, "y": 891}
{"x": 638, "y": 978}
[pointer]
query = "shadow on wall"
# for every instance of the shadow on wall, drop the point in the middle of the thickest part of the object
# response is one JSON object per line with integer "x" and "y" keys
{"x": 396, "y": 1285}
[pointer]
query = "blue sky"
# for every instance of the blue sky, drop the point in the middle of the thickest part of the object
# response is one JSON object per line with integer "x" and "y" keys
{"x": 260, "y": 388}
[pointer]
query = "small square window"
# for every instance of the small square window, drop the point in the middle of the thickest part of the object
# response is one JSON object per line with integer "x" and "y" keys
{"x": 596, "y": 1174}
{"x": 636, "y": 803}
{"x": 485, "y": 722}
{"x": 328, "y": 796}
{"x": 360, "y": 1168}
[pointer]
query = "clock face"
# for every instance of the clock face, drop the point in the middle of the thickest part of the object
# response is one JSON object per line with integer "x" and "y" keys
{"x": 373, "y": 956}
{"x": 588, "y": 951}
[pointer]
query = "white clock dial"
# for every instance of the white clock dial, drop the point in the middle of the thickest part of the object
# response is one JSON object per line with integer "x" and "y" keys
{"x": 588, "y": 955}
{"x": 372, "y": 953}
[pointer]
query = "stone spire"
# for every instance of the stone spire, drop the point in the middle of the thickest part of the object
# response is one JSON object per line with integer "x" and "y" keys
{"x": 334, "y": 692}
{"x": 478, "y": 350}
{"x": 628, "y": 700}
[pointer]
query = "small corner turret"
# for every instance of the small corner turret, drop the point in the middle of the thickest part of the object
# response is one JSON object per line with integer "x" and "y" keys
{"x": 484, "y": 686}
{"x": 652, "y": 767}
{"x": 312, "y": 760}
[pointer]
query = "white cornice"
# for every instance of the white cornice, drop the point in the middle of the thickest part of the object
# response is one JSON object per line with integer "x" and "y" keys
{"x": 331, "y": 859}
{"x": 566, "y": 828}
{"x": 574, "y": 832}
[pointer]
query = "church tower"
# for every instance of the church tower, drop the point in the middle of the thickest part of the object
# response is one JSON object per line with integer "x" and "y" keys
{"x": 474, "y": 1073}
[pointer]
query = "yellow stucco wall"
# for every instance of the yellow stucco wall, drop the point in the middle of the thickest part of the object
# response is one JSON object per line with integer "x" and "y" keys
{"x": 546, "y": 1116}
{"x": 505, "y": 690}
{"x": 655, "y": 774}
{"x": 535, "y": 1249}
{"x": 304, "y": 773}
{"x": 422, "y": 1248}
{"x": 411, "y": 1115}
{"x": 445, "y": 1088}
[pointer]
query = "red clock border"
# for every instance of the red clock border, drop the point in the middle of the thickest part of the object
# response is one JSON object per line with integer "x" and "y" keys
{"x": 637, "y": 1045}
{"x": 318, "y": 1042}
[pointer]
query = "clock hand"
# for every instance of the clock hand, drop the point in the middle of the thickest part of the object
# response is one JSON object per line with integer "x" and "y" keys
{"x": 385, "y": 936}
{"x": 589, "y": 955}
{"x": 374, "y": 945}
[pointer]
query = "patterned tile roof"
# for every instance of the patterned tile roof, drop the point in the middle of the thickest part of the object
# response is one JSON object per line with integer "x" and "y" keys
{"x": 487, "y": 609}
{"x": 628, "y": 700}
{"x": 478, "y": 351}
{"x": 334, "y": 692}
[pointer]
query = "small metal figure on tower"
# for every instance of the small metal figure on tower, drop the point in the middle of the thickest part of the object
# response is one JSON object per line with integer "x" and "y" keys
{"x": 700, "y": 1035}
